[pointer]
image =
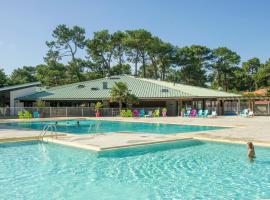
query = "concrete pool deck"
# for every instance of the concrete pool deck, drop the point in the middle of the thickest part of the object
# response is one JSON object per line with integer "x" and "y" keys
{"x": 256, "y": 129}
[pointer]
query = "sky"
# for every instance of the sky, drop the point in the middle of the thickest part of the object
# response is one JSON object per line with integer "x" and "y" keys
{"x": 241, "y": 25}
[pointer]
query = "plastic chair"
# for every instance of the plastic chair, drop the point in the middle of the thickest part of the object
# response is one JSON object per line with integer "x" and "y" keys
{"x": 187, "y": 113}
{"x": 135, "y": 113}
{"x": 200, "y": 113}
{"x": 205, "y": 113}
{"x": 141, "y": 113}
{"x": 36, "y": 114}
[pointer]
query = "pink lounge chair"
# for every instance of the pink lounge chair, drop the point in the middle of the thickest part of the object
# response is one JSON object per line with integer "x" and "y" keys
{"x": 193, "y": 113}
{"x": 135, "y": 113}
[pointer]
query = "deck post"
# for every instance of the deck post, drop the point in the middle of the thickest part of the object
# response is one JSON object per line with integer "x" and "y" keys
{"x": 218, "y": 107}
{"x": 268, "y": 107}
{"x": 238, "y": 106}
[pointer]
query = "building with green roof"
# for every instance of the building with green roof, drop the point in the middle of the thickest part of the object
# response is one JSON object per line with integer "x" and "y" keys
{"x": 151, "y": 93}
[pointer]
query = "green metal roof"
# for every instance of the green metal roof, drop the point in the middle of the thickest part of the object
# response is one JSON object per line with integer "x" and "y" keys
{"x": 142, "y": 88}
{"x": 20, "y": 86}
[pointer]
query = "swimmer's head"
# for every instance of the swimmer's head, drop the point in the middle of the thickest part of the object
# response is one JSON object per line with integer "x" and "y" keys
{"x": 250, "y": 145}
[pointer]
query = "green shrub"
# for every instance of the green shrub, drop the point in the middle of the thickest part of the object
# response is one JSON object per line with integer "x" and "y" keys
{"x": 98, "y": 106}
{"x": 40, "y": 104}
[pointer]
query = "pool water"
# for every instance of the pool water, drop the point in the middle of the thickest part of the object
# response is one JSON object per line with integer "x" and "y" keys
{"x": 95, "y": 126}
{"x": 179, "y": 170}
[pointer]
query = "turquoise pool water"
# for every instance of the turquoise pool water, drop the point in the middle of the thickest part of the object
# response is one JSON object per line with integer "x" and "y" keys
{"x": 180, "y": 170}
{"x": 95, "y": 126}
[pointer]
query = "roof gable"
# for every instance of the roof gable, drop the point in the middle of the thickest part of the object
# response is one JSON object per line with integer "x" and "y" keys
{"x": 20, "y": 86}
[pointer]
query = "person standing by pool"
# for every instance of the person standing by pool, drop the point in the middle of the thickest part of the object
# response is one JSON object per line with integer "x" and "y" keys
{"x": 250, "y": 150}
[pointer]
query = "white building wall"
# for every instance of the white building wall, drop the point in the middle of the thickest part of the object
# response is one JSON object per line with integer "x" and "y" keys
{"x": 19, "y": 93}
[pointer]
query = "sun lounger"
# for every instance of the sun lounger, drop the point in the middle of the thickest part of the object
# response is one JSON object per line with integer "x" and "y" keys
{"x": 200, "y": 113}
{"x": 187, "y": 113}
{"x": 250, "y": 114}
{"x": 36, "y": 115}
{"x": 135, "y": 113}
{"x": 244, "y": 113}
{"x": 156, "y": 113}
{"x": 141, "y": 113}
{"x": 193, "y": 113}
{"x": 205, "y": 113}
{"x": 213, "y": 114}
{"x": 149, "y": 114}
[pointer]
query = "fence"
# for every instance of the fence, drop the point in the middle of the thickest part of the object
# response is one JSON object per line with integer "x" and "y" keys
{"x": 260, "y": 108}
{"x": 46, "y": 112}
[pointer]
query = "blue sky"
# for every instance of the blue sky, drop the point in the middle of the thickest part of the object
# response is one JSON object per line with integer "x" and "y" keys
{"x": 241, "y": 25}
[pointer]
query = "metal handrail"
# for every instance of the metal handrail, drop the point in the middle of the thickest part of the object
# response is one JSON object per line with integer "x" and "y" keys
{"x": 93, "y": 126}
{"x": 48, "y": 128}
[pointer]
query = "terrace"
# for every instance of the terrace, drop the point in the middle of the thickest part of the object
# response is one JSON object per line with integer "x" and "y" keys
{"x": 241, "y": 130}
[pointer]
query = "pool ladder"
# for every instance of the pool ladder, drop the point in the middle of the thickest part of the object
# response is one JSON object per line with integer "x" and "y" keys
{"x": 93, "y": 126}
{"x": 49, "y": 128}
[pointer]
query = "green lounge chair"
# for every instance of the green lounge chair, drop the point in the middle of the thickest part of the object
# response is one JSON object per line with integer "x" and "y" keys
{"x": 20, "y": 115}
{"x": 156, "y": 113}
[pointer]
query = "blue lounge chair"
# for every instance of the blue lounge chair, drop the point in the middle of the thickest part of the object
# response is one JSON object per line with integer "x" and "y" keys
{"x": 205, "y": 113}
{"x": 200, "y": 113}
{"x": 141, "y": 113}
{"x": 36, "y": 115}
{"x": 244, "y": 113}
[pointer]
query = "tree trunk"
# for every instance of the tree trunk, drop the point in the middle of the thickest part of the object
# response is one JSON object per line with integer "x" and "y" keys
{"x": 143, "y": 62}
{"x": 156, "y": 72}
{"x": 120, "y": 57}
{"x": 120, "y": 106}
{"x": 226, "y": 83}
{"x": 136, "y": 63}
{"x": 163, "y": 73}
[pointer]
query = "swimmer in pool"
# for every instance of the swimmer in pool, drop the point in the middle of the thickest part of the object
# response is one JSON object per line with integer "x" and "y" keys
{"x": 250, "y": 150}
{"x": 78, "y": 123}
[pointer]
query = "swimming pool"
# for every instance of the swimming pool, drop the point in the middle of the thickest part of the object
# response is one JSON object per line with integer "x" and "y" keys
{"x": 100, "y": 126}
{"x": 179, "y": 170}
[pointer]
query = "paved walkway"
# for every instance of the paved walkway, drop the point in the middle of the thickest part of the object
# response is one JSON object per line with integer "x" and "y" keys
{"x": 255, "y": 129}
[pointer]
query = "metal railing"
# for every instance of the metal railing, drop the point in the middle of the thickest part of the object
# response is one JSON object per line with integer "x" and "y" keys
{"x": 49, "y": 128}
{"x": 48, "y": 112}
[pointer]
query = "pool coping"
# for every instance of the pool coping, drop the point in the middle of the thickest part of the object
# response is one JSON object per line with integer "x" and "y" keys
{"x": 129, "y": 120}
{"x": 101, "y": 149}
{"x": 200, "y": 135}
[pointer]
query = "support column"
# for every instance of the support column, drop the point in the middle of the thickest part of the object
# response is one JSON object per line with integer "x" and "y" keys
{"x": 180, "y": 106}
{"x": 218, "y": 107}
{"x": 238, "y": 106}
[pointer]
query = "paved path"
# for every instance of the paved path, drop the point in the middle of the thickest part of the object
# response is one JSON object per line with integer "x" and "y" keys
{"x": 255, "y": 129}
